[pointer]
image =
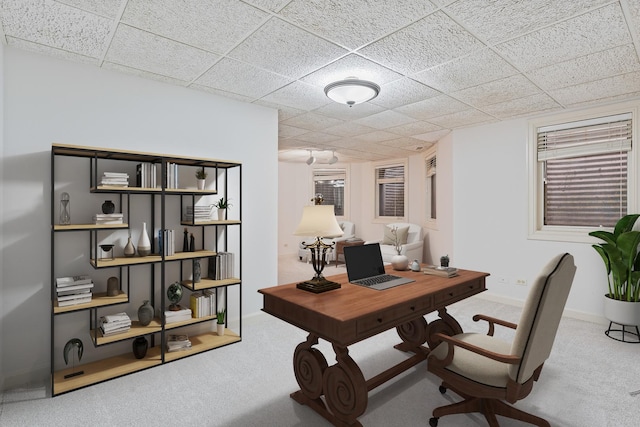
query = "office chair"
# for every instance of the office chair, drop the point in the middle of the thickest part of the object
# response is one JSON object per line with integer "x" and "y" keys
{"x": 486, "y": 371}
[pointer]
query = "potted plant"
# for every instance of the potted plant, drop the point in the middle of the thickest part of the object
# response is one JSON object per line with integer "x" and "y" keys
{"x": 222, "y": 205}
{"x": 622, "y": 263}
{"x": 201, "y": 176}
{"x": 220, "y": 324}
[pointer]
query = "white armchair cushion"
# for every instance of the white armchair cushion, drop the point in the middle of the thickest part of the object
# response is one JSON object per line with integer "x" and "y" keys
{"x": 412, "y": 248}
{"x": 393, "y": 233}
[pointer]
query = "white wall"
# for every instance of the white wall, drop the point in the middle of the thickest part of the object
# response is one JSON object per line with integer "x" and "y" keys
{"x": 48, "y": 100}
{"x": 2, "y": 302}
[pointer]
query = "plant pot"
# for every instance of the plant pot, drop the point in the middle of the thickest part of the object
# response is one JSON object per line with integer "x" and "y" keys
{"x": 220, "y": 329}
{"x": 622, "y": 312}
{"x": 201, "y": 184}
{"x": 400, "y": 262}
{"x": 221, "y": 214}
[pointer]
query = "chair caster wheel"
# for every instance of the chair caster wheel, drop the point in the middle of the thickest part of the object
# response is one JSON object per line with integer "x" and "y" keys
{"x": 442, "y": 389}
{"x": 433, "y": 422}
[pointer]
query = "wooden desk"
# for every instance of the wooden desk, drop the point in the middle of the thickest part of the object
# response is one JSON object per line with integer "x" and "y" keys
{"x": 353, "y": 313}
{"x": 340, "y": 245}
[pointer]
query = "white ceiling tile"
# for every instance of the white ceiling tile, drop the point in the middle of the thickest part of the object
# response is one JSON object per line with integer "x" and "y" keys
{"x": 57, "y": 25}
{"x": 434, "y": 136}
{"x": 403, "y": 142}
{"x": 376, "y": 136}
{"x": 351, "y": 66}
{"x": 348, "y": 129}
{"x": 424, "y": 44}
{"x": 282, "y": 48}
{"x": 353, "y": 23}
{"x": 415, "y": 128}
{"x": 51, "y": 51}
{"x": 108, "y": 8}
{"x": 618, "y": 60}
{"x": 286, "y": 131}
{"x": 312, "y": 121}
{"x": 271, "y": 5}
{"x": 600, "y": 29}
{"x": 519, "y": 107}
{"x": 237, "y": 77}
{"x": 284, "y": 112}
{"x": 149, "y": 52}
{"x": 600, "y": 89}
{"x": 140, "y": 73}
{"x": 298, "y": 95}
{"x": 402, "y": 92}
{"x": 634, "y": 10}
{"x": 497, "y": 20}
{"x": 479, "y": 67}
{"x": 497, "y": 91}
{"x": 433, "y": 107}
{"x": 223, "y": 93}
{"x": 216, "y": 28}
{"x": 344, "y": 112}
{"x": 462, "y": 119}
{"x": 317, "y": 137}
{"x": 385, "y": 119}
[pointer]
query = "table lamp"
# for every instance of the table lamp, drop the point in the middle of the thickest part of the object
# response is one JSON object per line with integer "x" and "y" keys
{"x": 319, "y": 221}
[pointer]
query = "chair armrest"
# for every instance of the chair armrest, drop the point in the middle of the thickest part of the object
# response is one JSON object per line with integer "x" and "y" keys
{"x": 372, "y": 241}
{"x": 453, "y": 342}
{"x": 493, "y": 321}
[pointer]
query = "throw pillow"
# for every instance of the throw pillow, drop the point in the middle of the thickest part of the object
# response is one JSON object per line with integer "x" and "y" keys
{"x": 390, "y": 236}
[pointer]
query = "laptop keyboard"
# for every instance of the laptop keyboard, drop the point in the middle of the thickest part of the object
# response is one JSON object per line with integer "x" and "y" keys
{"x": 377, "y": 279}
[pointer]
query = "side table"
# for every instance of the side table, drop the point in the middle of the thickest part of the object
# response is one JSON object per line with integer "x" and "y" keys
{"x": 340, "y": 244}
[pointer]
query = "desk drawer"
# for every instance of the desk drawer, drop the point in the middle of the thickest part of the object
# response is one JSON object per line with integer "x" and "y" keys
{"x": 393, "y": 317}
{"x": 456, "y": 294}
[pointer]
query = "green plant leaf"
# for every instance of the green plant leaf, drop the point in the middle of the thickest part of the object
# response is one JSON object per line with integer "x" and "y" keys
{"x": 625, "y": 224}
{"x": 604, "y": 235}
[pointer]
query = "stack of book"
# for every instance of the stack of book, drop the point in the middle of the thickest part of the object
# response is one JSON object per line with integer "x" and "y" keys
{"x": 221, "y": 266}
{"x": 173, "y": 316}
{"x": 146, "y": 175}
{"x": 114, "y": 324}
{"x": 114, "y": 218}
{"x": 198, "y": 213}
{"x": 115, "y": 179}
{"x": 166, "y": 242}
{"x": 440, "y": 271}
{"x": 73, "y": 290}
{"x": 177, "y": 342}
{"x": 172, "y": 175}
{"x": 203, "y": 303}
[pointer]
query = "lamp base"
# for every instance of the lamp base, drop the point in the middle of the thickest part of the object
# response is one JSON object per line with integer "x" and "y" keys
{"x": 318, "y": 285}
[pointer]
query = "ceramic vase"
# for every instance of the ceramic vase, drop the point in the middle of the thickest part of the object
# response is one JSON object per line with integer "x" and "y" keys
{"x": 221, "y": 213}
{"x": 400, "y": 262}
{"x": 415, "y": 265}
{"x": 201, "y": 184}
{"x": 108, "y": 207}
{"x": 197, "y": 271}
{"x": 144, "y": 244}
{"x": 129, "y": 249}
{"x": 140, "y": 346}
{"x": 145, "y": 313}
{"x": 220, "y": 329}
{"x": 113, "y": 287}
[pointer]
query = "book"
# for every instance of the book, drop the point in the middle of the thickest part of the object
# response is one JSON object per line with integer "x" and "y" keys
{"x": 73, "y": 296}
{"x": 178, "y": 342}
{"x": 440, "y": 271}
{"x": 75, "y": 287}
{"x": 74, "y": 301}
{"x": 73, "y": 280}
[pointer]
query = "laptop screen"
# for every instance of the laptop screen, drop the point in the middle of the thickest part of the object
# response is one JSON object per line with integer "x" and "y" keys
{"x": 363, "y": 261}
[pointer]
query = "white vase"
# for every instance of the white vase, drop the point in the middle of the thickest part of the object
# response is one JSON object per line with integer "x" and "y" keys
{"x": 622, "y": 312}
{"x": 400, "y": 262}
{"x": 144, "y": 244}
{"x": 220, "y": 329}
{"x": 221, "y": 213}
{"x": 201, "y": 184}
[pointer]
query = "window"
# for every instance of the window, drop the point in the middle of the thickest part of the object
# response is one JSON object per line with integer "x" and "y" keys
{"x": 581, "y": 177}
{"x": 330, "y": 183}
{"x": 390, "y": 190}
{"x": 430, "y": 188}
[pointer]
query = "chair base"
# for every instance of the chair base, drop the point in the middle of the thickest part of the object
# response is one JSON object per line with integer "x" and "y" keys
{"x": 489, "y": 408}
{"x": 635, "y": 336}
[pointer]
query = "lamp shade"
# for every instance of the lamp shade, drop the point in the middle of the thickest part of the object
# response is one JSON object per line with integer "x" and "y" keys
{"x": 318, "y": 221}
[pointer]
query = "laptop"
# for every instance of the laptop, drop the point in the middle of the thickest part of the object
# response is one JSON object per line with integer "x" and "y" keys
{"x": 366, "y": 268}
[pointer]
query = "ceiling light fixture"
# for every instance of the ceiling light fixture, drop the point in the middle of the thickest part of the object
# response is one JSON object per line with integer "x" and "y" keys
{"x": 352, "y": 91}
{"x": 333, "y": 159}
{"x": 311, "y": 160}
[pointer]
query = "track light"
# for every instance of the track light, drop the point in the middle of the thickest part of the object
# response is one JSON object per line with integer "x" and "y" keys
{"x": 311, "y": 160}
{"x": 333, "y": 159}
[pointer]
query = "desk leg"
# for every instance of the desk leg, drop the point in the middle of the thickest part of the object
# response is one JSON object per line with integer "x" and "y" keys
{"x": 446, "y": 325}
{"x": 413, "y": 335}
{"x": 343, "y": 385}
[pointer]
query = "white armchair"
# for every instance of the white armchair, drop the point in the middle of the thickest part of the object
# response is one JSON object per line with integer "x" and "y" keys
{"x": 349, "y": 229}
{"x": 412, "y": 245}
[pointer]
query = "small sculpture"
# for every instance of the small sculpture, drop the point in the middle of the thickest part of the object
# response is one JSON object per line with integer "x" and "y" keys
{"x": 73, "y": 343}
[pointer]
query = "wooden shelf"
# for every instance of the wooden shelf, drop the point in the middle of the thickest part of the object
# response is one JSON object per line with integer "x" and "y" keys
{"x": 105, "y": 369}
{"x": 155, "y": 190}
{"x": 122, "y": 261}
{"x": 99, "y": 299}
{"x": 209, "y": 283}
{"x": 204, "y": 342}
{"x": 212, "y": 222}
{"x": 136, "y": 330}
{"x": 188, "y": 322}
{"x": 76, "y": 227}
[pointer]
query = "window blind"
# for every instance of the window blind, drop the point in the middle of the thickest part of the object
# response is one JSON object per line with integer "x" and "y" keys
{"x": 390, "y": 182}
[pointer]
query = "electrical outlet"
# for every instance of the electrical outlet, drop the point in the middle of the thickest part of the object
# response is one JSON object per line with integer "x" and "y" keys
{"x": 503, "y": 280}
{"x": 521, "y": 282}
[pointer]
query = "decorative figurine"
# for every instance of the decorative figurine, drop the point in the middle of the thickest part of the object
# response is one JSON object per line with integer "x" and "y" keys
{"x": 73, "y": 343}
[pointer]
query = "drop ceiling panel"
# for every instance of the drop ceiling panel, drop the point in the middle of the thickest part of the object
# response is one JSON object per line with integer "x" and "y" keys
{"x": 385, "y": 119}
{"x": 497, "y": 91}
{"x": 346, "y": 129}
{"x": 149, "y": 52}
{"x": 344, "y": 112}
{"x": 533, "y": 104}
{"x": 144, "y": 74}
{"x": 353, "y": 23}
{"x": 312, "y": 121}
{"x": 414, "y": 128}
{"x": 376, "y": 136}
{"x": 433, "y": 107}
{"x": 270, "y": 5}
{"x": 286, "y": 131}
{"x": 107, "y": 8}
{"x": 317, "y": 137}
{"x": 402, "y": 92}
{"x": 351, "y": 66}
{"x": 51, "y": 51}
{"x": 434, "y": 136}
{"x": 298, "y": 95}
{"x": 598, "y": 90}
{"x": 462, "y": 119}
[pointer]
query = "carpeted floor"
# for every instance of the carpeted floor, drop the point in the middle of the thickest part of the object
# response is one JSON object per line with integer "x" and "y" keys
{"x": 586, "y": 382}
